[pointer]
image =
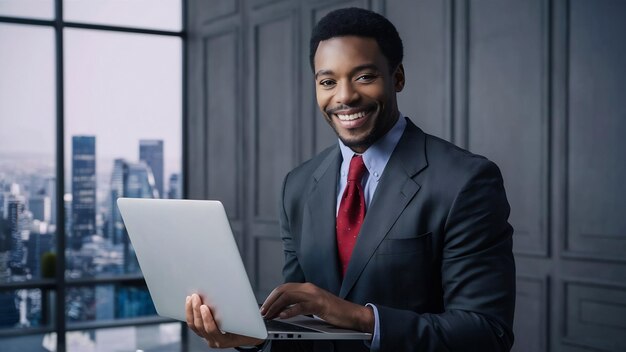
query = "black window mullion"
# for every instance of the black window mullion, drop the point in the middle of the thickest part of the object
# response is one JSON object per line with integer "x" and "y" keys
{"x": 60, "y": 320}
{"x": 29, "y": 21}
{"x": 26, "y": 331}
{"x": 31, "y": 284}
{"x": 184, "y": 332}
{"x": 108, "y": 28}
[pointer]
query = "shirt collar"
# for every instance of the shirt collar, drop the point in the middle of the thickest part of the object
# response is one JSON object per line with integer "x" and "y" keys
{"x": 377, "y": 155}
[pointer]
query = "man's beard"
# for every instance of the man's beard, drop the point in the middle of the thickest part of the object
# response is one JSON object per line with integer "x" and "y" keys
{"x": 374, "y": 134}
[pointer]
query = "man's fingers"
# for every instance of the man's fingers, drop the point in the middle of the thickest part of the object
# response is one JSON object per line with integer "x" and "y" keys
{"x": 272, "y": 309}
{"x": 211, "y": 333}
{"x": 208, "y": 322}
{"x": 268, "y": 307}
{"x": 283, "y": 296}
{"x": 273, "y": 296}
{"x": 215, "y": 337}
{"x": 293, "y": 310}
{"x": 189, "y": 314}
{"x": 196, "y": 302}
{"x": 200, "y": 319}
{"x": 287, "y": 299}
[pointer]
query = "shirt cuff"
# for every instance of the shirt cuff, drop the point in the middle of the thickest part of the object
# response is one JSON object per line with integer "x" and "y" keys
{"x": 374, "y": 345}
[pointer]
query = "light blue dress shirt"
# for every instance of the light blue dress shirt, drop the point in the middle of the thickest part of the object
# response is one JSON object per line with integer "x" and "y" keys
{"x": 375, "y": 159}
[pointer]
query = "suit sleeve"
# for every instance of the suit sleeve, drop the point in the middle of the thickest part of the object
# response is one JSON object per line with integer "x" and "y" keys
{"x": 478, "y": 278}
{"x": 291, "y": 269}
{"x": 291, "y": 273}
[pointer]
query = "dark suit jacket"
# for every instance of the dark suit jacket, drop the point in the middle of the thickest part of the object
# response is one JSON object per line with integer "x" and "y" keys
{"x": 434, "y": 253}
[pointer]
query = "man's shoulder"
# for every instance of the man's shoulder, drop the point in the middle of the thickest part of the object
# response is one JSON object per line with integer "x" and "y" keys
{"x": 444, "y": 153}
{"x": 447, "y": 161}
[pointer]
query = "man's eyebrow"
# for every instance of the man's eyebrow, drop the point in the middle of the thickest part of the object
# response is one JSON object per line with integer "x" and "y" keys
{"x": 364, "y": 67}
{"x": 353, "y": 71}
{"x": 323, "y": 72}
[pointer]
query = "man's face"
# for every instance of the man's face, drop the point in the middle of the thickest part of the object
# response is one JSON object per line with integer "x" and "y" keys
{"x": 355, "y": 89}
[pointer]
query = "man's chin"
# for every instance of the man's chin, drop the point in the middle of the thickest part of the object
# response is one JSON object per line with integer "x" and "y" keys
{"x": 361, "y": 143}
{"x": 355, "y": 139}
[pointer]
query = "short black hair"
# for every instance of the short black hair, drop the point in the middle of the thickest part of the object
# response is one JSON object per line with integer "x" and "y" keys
{"x": 361, "y": 23}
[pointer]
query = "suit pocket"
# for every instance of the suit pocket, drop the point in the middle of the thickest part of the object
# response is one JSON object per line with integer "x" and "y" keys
{"x": 393, "y": 246}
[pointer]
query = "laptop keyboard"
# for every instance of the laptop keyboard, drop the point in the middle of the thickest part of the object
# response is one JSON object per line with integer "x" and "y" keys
{"x": 275, "y": 325}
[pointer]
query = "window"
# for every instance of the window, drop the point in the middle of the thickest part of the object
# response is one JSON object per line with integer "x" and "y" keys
{"x": 105, "y": 82}
{"x": 36, "y": 9}
{"x": 27, "y": 173}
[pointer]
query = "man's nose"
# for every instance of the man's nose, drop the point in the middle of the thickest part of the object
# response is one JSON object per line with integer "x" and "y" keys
{"x": 346, "y": 94}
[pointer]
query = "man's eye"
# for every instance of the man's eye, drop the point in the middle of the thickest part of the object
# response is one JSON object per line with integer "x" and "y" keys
{"x": 327, "y": 83}
{"x": 366, "y": 78}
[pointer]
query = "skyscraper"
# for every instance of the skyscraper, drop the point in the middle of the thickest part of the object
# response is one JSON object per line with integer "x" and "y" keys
{"x": 115, "y": 226}
{"x": 83, "y": 189}
{"x": 9, "y": 315}
{"x": 151, "y": 152}
{"x": 3, "y": 195}
{"x": 5, "y": 247}
{"x": 51, "y": 191}
{"x": 16, "y": 216}
{"x": 175, "y": 187}
{"x": 40, "y": 205}
{"x": 127, "y": 180}
{"x": 140, "y": 182}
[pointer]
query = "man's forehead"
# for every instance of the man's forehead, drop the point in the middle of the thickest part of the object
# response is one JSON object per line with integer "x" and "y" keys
{"x": 347, "y": 51}
{"x": 348, "y": 42}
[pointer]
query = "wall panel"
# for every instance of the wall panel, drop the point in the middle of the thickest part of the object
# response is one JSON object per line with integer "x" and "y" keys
{"x": 596, "y": 201}
{"x": 274, "y": 107}
{"x": 508, "y": 108}
{"x": 204, "y": 12}
{"x": 594, "y": 315}
{"x": 531, "y": 314}
{"x": 222, "y": 137}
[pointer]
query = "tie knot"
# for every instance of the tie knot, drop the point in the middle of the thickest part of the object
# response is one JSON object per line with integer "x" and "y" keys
{"x": 357, "y": 168}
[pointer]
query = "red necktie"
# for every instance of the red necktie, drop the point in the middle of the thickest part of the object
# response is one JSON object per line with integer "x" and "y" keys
{"x": 351, "y": 212}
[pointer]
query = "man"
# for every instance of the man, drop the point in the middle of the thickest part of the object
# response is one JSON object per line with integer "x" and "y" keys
{"x": 393, "y": 231}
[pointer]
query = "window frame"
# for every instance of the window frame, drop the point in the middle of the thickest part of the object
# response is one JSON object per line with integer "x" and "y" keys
{"x": 59, "y": 283}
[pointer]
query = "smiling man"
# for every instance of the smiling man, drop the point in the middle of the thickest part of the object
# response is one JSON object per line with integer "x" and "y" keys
{"x": 355, "y": 88}
{"x": 392, "y": 231}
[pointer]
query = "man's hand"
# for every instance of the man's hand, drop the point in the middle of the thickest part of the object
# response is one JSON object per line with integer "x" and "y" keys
{"x": 291, "y": 299}
{"x": 200, "y": 320}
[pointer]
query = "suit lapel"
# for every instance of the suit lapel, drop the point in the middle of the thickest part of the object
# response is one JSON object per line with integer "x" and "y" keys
{"x": 320, "y": 244}
{"x": 393, "y": 193}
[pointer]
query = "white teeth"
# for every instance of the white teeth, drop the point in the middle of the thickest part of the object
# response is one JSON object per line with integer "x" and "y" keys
{"x": 351, "y": 116}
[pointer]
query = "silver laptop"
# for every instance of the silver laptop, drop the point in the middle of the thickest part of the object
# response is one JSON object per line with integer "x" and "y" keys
{"x": 187, "y": 246}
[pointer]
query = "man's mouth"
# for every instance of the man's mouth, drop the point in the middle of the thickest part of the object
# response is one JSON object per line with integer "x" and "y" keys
{"x": 350, "y": 117}
{"x": 353, "y": 119}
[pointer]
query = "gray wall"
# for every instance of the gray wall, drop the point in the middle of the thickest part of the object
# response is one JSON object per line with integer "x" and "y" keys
{"x": 536, "y": 85}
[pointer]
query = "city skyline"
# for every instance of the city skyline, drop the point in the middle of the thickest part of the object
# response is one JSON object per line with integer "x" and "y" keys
{"x": 97, "y": 240}
{"x": 44, "y": 163}
{"x": 32, "y": 196}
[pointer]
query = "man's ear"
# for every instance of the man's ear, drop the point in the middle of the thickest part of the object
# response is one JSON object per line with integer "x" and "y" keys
{"x": 398, "y": 78}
